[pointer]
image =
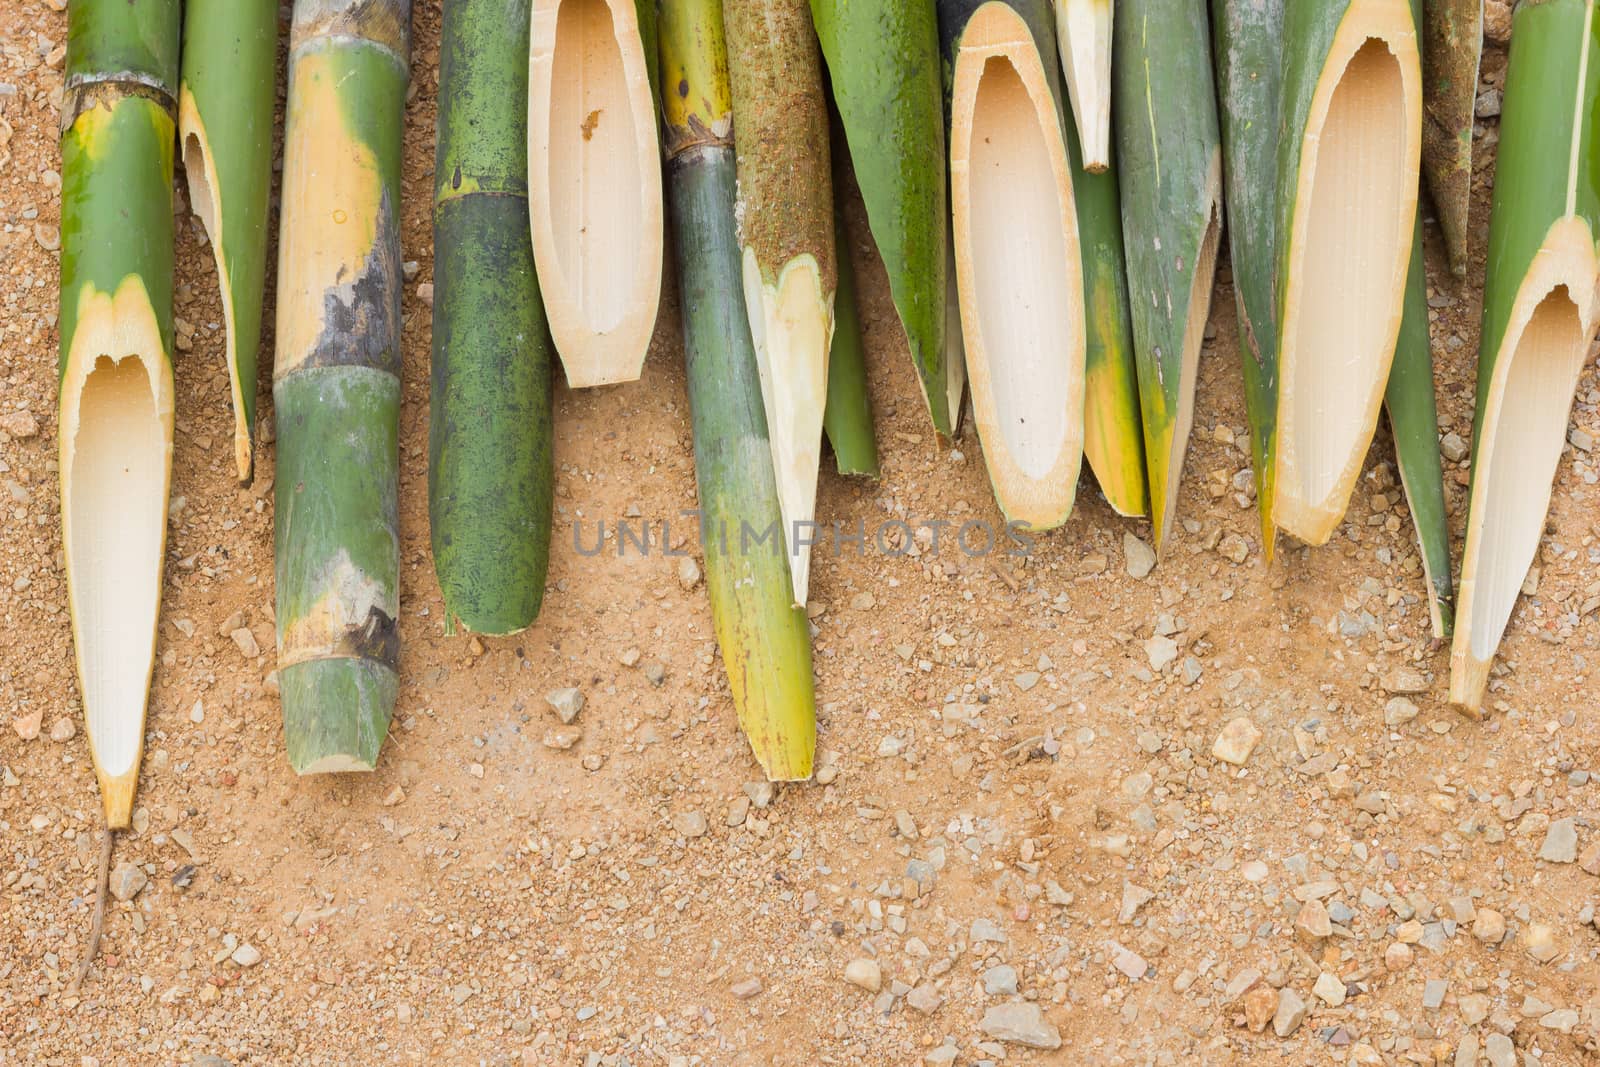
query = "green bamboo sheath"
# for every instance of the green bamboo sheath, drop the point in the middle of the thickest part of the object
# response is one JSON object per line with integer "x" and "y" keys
{"x": 1113, "y": 435}
{"x": 1542, "y": 229}
{"x": 116, "y": 289}
{"x": 1414, "y": 417}
{"x": 336, "y": 386}
{"x": 1249, "y": 54}
{"x": 230, "y": 64}
{"x": 1169, "y": 168}
{"x": 489, "y": 433}
{"x": 766, "y": 646}
{"x": 1452, "y": 46}
{"x": 883, "y": 66}
{"x": 847, "y": 419}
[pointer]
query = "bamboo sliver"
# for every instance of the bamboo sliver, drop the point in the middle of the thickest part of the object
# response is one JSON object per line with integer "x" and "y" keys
{"x": 1083, "y": 30}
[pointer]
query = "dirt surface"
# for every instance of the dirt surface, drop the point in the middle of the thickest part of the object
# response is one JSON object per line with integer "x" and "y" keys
{"x": 1015, "y": 809}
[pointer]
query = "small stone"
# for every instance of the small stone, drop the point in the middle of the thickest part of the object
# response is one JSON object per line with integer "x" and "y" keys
{"x": 1398, "y": 956}
{"x": 1027, "y": 680}
{"x": 1134, "y": 897}
{"x": 1330, "y": 989}
{"x": 746, "y": 989}
{"x": 864, "y": 973}
{"x": 1454, "y": 448}
{"x": 562, "y": 737}
{"x": 197, "y": 714}
{"x": 1562, "y": 1020}
{"x": 245, "y": 641}
{"x": 1313, "y": 923}
{"x": 925, "y": 999}
{"x": 1467, "y": 1051}
{"x": 1290, "y": 1014}
{"x": 655, "y": 673}
{"x": 1160, "y": 651}
{"x": 425, "y": 293}
{"x": 1541, "y": 943}
{"x": 905, "y": 825}
{"x": 63, "y": 729}
{"x": 127, "y": 880}
{"x": 567, "y": 702}
{"x": 1139, "y": 557}
{"x": 1500, "y": 1050}
{"x": 1560, "y": 842}
{"x": 1128, "y": 961}
{"x": 1489, "y": 103}
{"x": 690, "y": 824}
{"x": 1405, "y": 681}
{"x": 1433, "y": 991}
{"x": 760, "y": 793}
{"x": 1590, "y": 860}
{"x": 1260, "y": 1005}
{"x": 1497, "y": 21}
{"x": 1234, "y": 548}
{"x": 1236, "y": 741}
{"x": 246, "y": 956}
{"x": 1000, "y": 980}
{"x": 48, "y": 236}
{"x": 986, "y": 931}
{"x": 28, "y": 726}
{"x": 1254, "y": 871}
{"x": 396, "y": 796}
{"x": 738, "y": 811}
{"x": 1021, "y": 1023}
{"x": 19, "y": 424}
{"x": 688, "y": 572}
{"x": 1398, "y": 711}
{"x": 1489, "y": 927}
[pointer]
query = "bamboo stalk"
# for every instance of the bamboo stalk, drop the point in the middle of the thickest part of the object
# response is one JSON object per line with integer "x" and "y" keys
{"x": 1083, "y": 28}
{"x": 490, "y": 466}
{"x": 230, "y": 66}
{"x": 1170, "y": 175}
{"x": 116, "y": 365}
{"x": 336, "y": 382}
{"x": 1414, "y": 418}
{"x": 1452, "y": 46}
{"x": 847, "y": 418}
{"x": 766, "y": 647}
{"x": 786, "y": 234}
{"x": 594, "y": 190}
{"x": 1249, "y": 52}
{"x": 1018, "y": 265}
{"x": 883, "y": 68}
{"x": 1113, "y": 434}
{"x": 1348, "y": 165}
{"x": 1539, "y": 317}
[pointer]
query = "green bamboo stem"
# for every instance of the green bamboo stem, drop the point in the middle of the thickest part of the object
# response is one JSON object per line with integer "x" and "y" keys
{"x": 847, "y": 418}
{"x": 883, "y": 67}
{"x": 1170, "y": 175}
{"x": 336, "y": 382}
{"x": 1539, "y": 316}
{"x": 786, "y": 234}
{"x": 490, "y": 465}
{"x": 1349, "y": 153}
{"x": 116, "y": 384}
{"x": 1248, "y": 35}
{"x": 1414, "y": 418}
{"x": 765, "y": 643}
{"x": 1019, "y": 270}
{"x": 230, "y": 65}
{"x": 1452, "y": 46}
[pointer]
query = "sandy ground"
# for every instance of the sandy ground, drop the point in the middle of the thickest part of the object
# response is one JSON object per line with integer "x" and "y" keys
{"x": 1017, "y": 809}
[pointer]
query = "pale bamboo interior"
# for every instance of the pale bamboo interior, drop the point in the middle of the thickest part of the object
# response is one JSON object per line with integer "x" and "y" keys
{"x": 1018, "y": 271}
{"x": 1352, "y": 240}
{"x": 114, "y": 482}
{"x": 1083, "y": 31}
{"x": 1522, "y": 450}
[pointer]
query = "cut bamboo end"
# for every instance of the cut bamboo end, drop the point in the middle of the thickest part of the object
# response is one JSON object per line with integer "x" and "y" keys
{"x": 116, "y": 797}
{"x": 791, "y": 325}
{"x": 336, "y": 713}
{"x": 116, "y": 464}
{"x": 594, "y": 186}
{"x": 1018, "y": 268}
{"x": 1452, "y": 43}
{"x": 1083, "y": 29}
{"x": 1523, "y": 430}
{"x": 1469, "y": 682}
{"x": 205, "y": 201}
{"x": 1350, "y": 237}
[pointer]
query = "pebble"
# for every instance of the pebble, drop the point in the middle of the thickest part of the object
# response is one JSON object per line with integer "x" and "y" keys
{"x": 761, "y": 794}
{"x": 246, "y": 955}
{"x": 986, "y": 931}
{"x": 127, "y": 880}
{"x": 1541, "y": 943}
{"x": 562, "y": 737}
{"x": 28, "y": 726}
{"x": 1160, "y": 651}
{"x": 1254, "y": 871}
{"x": 1398, "y": 956}
{"x": 1027, "y": 680}
{"x": 746, "y": 989}
{"x": 1234, "y": 548}
{"x": 1236, "y": 741}
{"x": 1021, "y": 1023}
{"x": 688, "y": 572}
{"x": 1128, "y": 961}
{"x": 1313, "y": 923}
{"x": 1405, "y": 681}
{"x": 864, "y": 973}
{"x": 1560, "y": 842}
{"x": 1134, "y": 897}
{"x": 1330, "y": 988}
{"x": 1489, "y": 104}
{"x": 19, "y": 424}
{"x": 567, "y": 702}
{"x": 690, "y": 824}
{"x": 48, "y": 236}
{"x": 246, "y": 642}
{"x": 1260, "y": 1005}
{"x": 1398, "y": 711}
{"x": 1489, "y": 927}
{"x": 63, "y": 729}
{"x": 1000, "y": 980}
{"x": 1454, "y": 448}
{"x": 738, "y": 811}
{"x": 1140, "y": 558}
{"x": 925, "y": 999}
{"x": 1433, "y": 991}
{"x": 1500, "y": 1050}
{"x": 396, "y": 796}
{"x": 1290, "y": 1014}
